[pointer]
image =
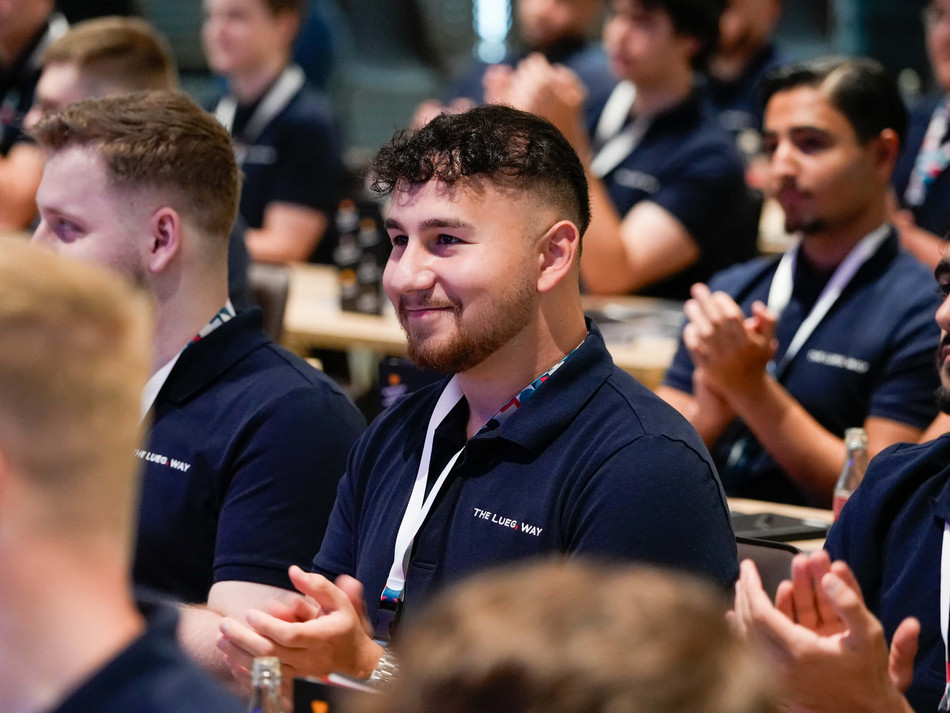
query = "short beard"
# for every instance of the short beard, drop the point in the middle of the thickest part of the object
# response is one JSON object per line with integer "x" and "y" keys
{"x": 943, "y": 398}
{"x": 473, "y": 344}
{"x": 811, "y": 227}
{"x": 942, "y": 395}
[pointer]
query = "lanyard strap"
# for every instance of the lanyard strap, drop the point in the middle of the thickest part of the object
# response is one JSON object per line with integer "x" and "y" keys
{"x": 945, "y": 610}
{"x": 780, "y": 291}
{"x": 419, "y": 504}
{"x": 616, "y": 141}
{"x": 419, "y": 507}
{"x": 932, "y": 158}
{"x": 275, "y": 100}
{"x": 158, "y": 379}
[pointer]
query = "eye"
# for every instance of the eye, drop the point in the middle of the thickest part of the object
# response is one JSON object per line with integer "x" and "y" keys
{"x": 769, "y": 145}
{"x": 444, "y": 239}
{"x": 398, "y": 240}
{"x": 811, "y": 142}
{"x": 66, "y": 231}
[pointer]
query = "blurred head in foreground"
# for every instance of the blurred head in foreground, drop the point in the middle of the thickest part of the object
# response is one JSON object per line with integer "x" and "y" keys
{"x": 576, "y": 637}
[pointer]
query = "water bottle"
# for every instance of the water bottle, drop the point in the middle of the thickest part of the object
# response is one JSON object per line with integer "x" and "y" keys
{"x": 855, "y": 464}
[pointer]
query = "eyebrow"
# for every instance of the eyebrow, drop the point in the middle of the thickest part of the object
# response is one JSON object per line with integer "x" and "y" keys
{"x": 431, "y": 223}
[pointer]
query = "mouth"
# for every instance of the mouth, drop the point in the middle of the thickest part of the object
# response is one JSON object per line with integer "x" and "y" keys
{"x": 423, "y": 311}
{"x": 790, "y": 196}
{"x": 943, "y": 354}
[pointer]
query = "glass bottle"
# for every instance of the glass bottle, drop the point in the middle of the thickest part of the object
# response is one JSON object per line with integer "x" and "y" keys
{"x": 266, "y": 686}
{"x": 855, "y": 463}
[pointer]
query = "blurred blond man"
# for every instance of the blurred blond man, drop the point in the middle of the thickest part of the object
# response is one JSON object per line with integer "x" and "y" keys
{"x": 74, "y": 354}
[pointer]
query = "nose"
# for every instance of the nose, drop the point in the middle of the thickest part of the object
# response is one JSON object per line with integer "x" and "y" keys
{"x": 943, "y": 314}
{"x": 782, "y": 162}
{"x": 32, "y": 117}
{"x": 42, "y": 236}
{"x": 409, "y": 269}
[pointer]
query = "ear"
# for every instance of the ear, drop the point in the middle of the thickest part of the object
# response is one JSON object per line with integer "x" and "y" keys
{"x": 885, "y": 148}
{"x": 559, "y": 250}
{"x": 164, "y": 238}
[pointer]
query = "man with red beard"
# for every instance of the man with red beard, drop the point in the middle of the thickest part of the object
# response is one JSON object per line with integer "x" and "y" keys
{"x": 536, "y": 443}
{"x": 781, "y": 355}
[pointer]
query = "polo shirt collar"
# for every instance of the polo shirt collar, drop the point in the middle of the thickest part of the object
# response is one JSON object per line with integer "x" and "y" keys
{"x": 553, "y": 406}
{"x": 229, "y": 343}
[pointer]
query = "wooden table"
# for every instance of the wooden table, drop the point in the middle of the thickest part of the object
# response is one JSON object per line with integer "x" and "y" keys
{"x": 313, "y": 319}
{"x": 756, "y": 506}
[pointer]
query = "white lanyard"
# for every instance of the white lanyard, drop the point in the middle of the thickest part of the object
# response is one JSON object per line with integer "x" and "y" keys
{"x": 157, "y": 380}
{"x": 932, "y": 158}
{"x": 274, "y": 102}
{"x": 780, "y": 291}
{"x": 945, "y": 609}
{"x": 418, "y": 508}
{"x": 616, "y": 141}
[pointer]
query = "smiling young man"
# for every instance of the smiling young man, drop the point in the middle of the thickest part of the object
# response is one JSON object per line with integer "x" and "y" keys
{"x": 781, "y": 355}
{"x": 536, "y": 444}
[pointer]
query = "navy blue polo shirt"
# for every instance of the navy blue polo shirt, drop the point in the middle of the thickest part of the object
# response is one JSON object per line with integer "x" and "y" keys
{"x": 593, "y": 463}
{"x": 890, "y": 532}
{"x": 587, "y": 60}
{"x": 247, "y": 445}
{"x": 688, "y": 165}
{"x": 17, "y": 85}
{"x": 934, "y": 213}
{"x": 296, "y": 158}
{"x": 151, "y": 675}
{"x": 872, "y": 355}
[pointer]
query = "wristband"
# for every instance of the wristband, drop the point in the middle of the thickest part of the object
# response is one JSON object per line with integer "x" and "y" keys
{"x": 385, "y": 672}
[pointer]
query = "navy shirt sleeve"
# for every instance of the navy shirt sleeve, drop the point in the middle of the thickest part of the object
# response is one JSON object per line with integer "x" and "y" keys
{"x": 310, "y": 163}
{"x": 702, "y": 191}
{"x": 282, "y": 488}
{"x": 681, "y": 520}
{"x": 904, "y": 389}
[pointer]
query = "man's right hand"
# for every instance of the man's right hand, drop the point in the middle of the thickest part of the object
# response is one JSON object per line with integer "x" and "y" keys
{"x": 840, "y": 664}
{"x": 319, "y": 635}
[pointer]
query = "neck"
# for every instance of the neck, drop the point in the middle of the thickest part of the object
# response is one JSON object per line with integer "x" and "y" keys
{"x": 59, "y": 622}
{"x": 652, "y": 99}
{"x": 249, "y": 86}
{"x": 542, "y": 344}
{"x": 826, "y": 249}
{"x": 181, "y": 313}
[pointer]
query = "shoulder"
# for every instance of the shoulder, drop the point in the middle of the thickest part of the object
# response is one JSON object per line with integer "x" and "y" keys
{"x": 903, "y": 464}
{"x": 152, "y": 675}
{"x": 312, "y": 104}
{"x": 909, "y": 289}
{"x": 628, "y": 421}
{"x": 902, "y": 478}
{"x": 248, "y": 372}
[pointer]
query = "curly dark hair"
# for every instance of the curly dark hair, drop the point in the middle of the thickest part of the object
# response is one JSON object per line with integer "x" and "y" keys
{"x": 508, "y": 146}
